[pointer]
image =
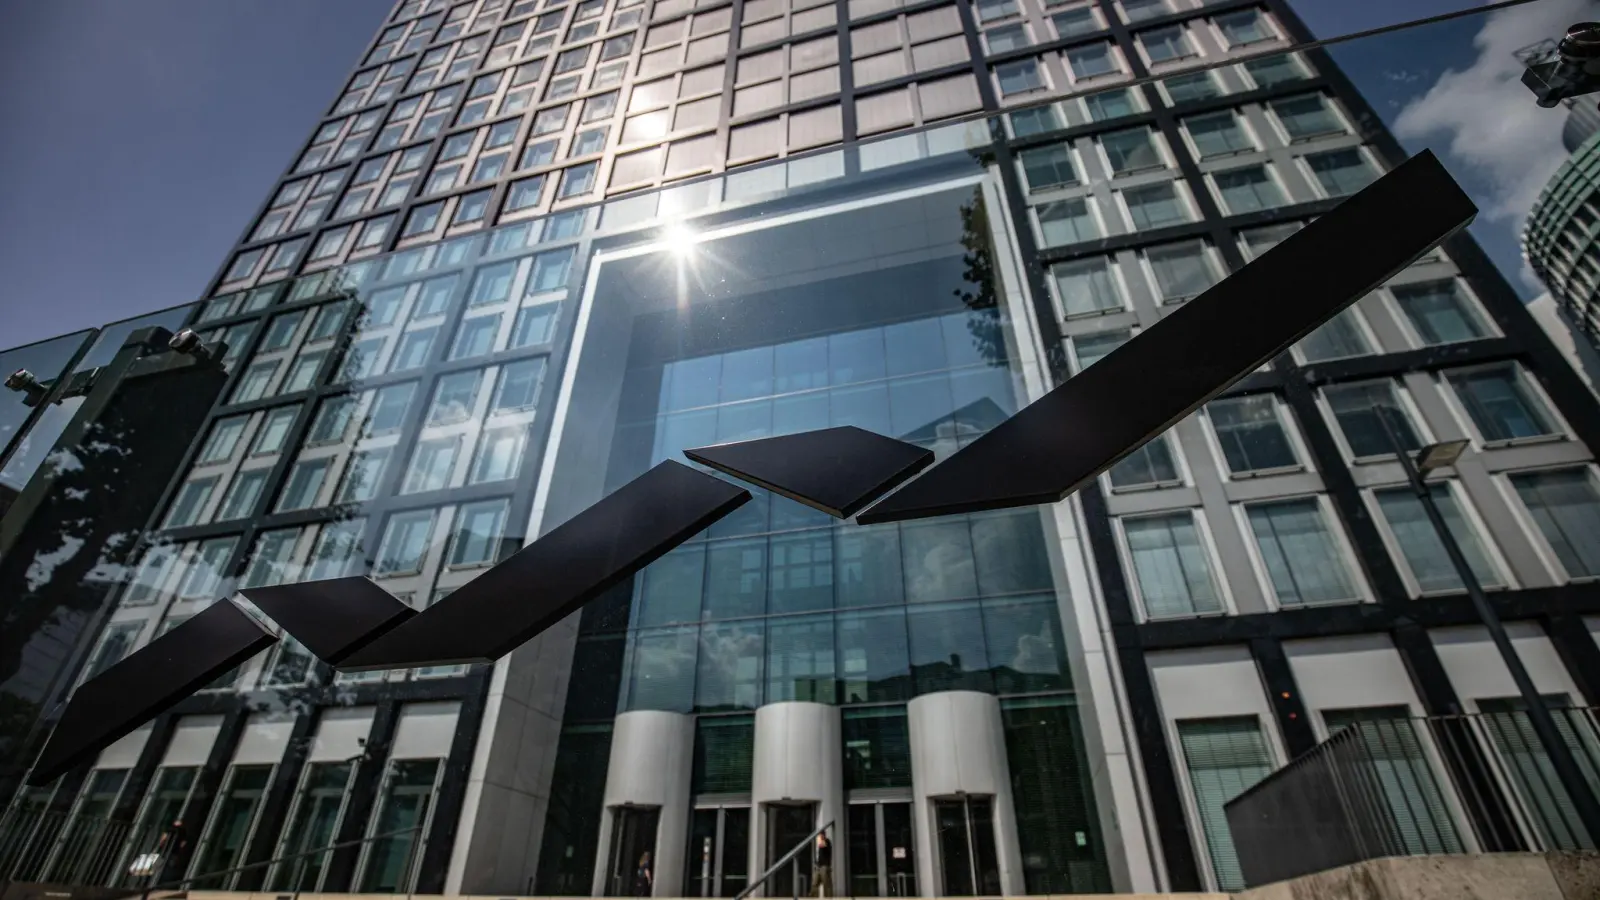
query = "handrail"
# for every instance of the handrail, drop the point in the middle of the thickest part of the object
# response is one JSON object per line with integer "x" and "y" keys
{"x": 179, "y": 885}
{"x": 782, "y": 861}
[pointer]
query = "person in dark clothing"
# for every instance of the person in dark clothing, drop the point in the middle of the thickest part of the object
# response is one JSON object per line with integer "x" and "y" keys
{"x": 822, "y": 867}
{"x": 643, "y": 879}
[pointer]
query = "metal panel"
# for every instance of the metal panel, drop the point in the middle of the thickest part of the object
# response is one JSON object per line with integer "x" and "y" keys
{"x": 149, "y": 682}
{"x": 332, "y": 618}
{"x": 1082, "y": 427}
{"x": 835, "y": 470}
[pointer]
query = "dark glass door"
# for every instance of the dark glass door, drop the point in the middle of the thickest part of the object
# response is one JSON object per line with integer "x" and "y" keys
{"x": 968, "y": 862}
{"x": 719, "y": 849}
{"x": 788, "y": 825}
{"x": 231, "y": 825}
{"x": 312, "y": 825}
{"x": 633, "y": 842}
{"x": 899, "y": 850}
{"x": 865, "y": 850}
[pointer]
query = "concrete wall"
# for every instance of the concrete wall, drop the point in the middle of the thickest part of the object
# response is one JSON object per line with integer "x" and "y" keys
{"x": 1489, "y": 876}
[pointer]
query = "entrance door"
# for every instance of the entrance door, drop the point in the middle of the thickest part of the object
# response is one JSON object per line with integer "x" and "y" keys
{"x": 968, "y": 862}
{"x": 788, "y": 825}
{"x": 882, "y": 855}
{"x": 717, "y": 864}
{"x": 633, "y": 834}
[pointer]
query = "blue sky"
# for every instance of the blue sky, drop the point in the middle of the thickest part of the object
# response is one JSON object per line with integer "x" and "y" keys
{"x": 139, "y": 136}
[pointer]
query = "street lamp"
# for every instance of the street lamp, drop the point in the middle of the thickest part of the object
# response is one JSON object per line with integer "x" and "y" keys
{"x": 1438, "y": 456}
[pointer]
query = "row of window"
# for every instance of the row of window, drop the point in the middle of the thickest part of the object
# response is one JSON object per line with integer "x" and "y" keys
{"x": 1303, "y": 558}
{"x": 1087, "y": 62}
{"x": 83, "y": 852}
{"x": 1212, "y": 135}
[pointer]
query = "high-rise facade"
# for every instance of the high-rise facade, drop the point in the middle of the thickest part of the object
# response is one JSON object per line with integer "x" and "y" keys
{"x": 534, "y": 248}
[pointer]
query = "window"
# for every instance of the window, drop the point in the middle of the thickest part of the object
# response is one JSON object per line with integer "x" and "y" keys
{"x": 1502, "y": 404}
{"x": 206, "y": 568}
{"x": 305, "y": 482}
{"x": 1275, "y": 70}
{"x": 1165, "y": 44}
{"x": 1019, "y": 77}
{"x": 115, "y": 642}
{"x": 191, "y": 499}
{"x": 489, "y": 167}
{"x": 363, "y": 476}
{"x": 1048, "y": 167}
{"x": 500, "y": 135}
{"x": 242, "y": 495}
{"x": 1191, "y": 87}
{"x": 413, "y": 349}
{"x": 478, "y": 533}
{"x": 499, "y": 455}
{"x": 1565, "y": 504}
{"x": 1155, "y": 206}
{"x": 303, "y": 373}
{"x": 1405, "y": 776}
{"x": 1248, "y": 189}
{"x": 1252, "y": 435}
{"x": 223, "y": 439}
{"x": 405, "y": 542}
{"x": 1243, "y": 27}
{"x": 1170, "y": 566}
{"x": 332, "y": 421}
{"x": 431, "y": 464}
{"x": 280, "y": 333}
{"x": 1217, "y": 134}
{"x": 1224, "y": 758}
{"x": 274, "y": 431}
{"x": 1091, "y": 348}
{"x": 1362, "y": 409}
{"x": 576, "y": 180}
{"x": 1132, "y": 150}
{"x": 599, "y": 107}
{"x": 1108, "y": 105}
{"x": 1091, "y": 61}
{"x": 1075, "y": 22}
{"x": 1421, "y": 551}
{"x": 533, "y": 325}
{"x": 550, "y": 121}
{"x": 422, "y": 220}
{"x": 471, "y": 207}
{"x": 1067, "y": 222}
{"x": 1304, "y": 562}
{"x": 989, "y": 10}
{"x": 1182, "y": 271}
{"x": 1007, "y": 37}
{"x": 1341, "y": 172}
{"x": 1140, "y": 10}
{"x": 1439, "y": 312}
{"x": 1306, "y": 116}
{"x": 253, "y": 384}
{"x": 452, "y": 399}
{"x": 1339, "y": 338}
{"x": 587, "y": 142}
{"x": 1151, "y": 465}
{"x": 1086, "y": 287}
{"x": 518, "y": 387}
{"x": 402, "y": 814}
{"x": 475, "y": 336}
{"x": 492, "y": 284}
{"x": 1039, "y": 120}
{"x": 1257, "y": 241}
{"x": 389, "y": 406}
{"x": 540, "y": 152}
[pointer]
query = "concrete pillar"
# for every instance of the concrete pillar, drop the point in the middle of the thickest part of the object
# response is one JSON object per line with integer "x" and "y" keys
{"x": 799, "y": 758}
{"x": 652, "y": 756}
{"x": 958, "y": 747}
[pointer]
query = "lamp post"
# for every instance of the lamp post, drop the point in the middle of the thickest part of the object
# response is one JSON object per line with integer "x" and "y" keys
{"x": 1438, "y": 456}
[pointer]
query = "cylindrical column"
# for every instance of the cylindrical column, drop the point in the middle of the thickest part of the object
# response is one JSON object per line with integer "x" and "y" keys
{"x": 958, "y": 748}
{"x": 652, "y": 755}
{"x": 799, "y": 758}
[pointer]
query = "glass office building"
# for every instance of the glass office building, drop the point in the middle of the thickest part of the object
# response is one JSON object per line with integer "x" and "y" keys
{"x": 534, "y": 249}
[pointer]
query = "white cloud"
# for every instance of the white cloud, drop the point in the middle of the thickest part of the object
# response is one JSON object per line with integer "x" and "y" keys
{"x": 1489, "y": 119}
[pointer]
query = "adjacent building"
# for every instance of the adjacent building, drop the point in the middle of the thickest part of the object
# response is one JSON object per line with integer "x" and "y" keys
{"x": 533, "y": 249}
